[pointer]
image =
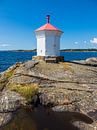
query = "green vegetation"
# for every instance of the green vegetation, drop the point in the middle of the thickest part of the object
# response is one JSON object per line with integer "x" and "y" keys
{"x": 21, "y": 50}
{"x": 8, "y": 73}
{"x": 25, "y": 90}
{"x": 2, "y": 85}
{"x": 4, "y": 78}
{"x": 78, "y": 50}
{"x": 63, "y": 50}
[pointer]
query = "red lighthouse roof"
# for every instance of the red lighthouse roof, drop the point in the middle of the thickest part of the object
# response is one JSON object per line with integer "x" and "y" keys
{"x": 48, "y": 26}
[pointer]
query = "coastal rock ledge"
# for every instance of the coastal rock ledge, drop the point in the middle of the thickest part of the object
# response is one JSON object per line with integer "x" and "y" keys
{"x": 64, "y": 87}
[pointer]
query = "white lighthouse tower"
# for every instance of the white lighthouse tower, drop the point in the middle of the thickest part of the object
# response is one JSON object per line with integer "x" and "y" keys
{"x": 48, "y": 40}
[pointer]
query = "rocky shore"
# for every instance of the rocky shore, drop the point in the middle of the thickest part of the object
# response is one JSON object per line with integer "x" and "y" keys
{"x": 65, "y": 86}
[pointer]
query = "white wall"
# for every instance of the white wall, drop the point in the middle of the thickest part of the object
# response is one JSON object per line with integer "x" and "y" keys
{"x": 40, "y": 43}
{"x": 53, "y": 43}
{"x": 41, "y": 46}
{"x": 57, "y": 48}
{"x": 48, "y": 43}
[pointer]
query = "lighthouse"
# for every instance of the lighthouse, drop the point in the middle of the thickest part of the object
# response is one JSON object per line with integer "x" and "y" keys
{"x": 48, "y": 40}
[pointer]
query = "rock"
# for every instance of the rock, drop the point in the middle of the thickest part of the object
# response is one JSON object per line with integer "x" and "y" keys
{"x": 10, "y": 101}
{"x": 64, "y": 108}
{"x": 83, "y": 126}
{"x": 78, "y": 98}
{"x": 26, "y": 67}
{"x": 48, "y": 99}
{"x": 64, "y": 86}
{"x": 5, "y": 76}
{"x": 5, "y": 118}
{"x": 91, "y": 61}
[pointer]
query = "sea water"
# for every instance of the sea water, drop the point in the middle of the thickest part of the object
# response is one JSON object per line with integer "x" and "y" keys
{"x": 8, "y": 58}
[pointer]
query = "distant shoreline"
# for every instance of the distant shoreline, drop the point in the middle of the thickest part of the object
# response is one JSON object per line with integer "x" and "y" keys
{"x": 78, "y": 50}
{"x": 62, "y": 50}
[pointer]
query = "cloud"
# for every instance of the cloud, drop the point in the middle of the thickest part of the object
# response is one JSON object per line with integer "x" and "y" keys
{"x": 94, "y": 40}
{"x": 85, "y": 41}
{"x": 76, "y": 42}
{"x": 4, "y": 45}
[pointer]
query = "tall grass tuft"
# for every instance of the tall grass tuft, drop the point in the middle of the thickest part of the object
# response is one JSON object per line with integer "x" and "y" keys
{"x": 26, "y": 90}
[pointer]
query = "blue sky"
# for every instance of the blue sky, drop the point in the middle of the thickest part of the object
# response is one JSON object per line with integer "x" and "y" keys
{"x": 76, "y": 18}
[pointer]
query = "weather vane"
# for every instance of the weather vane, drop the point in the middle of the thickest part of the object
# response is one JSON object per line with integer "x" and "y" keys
{"x": 48, "y": 18}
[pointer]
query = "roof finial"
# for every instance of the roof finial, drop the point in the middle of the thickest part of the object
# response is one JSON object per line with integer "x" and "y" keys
{"x": 48, "y": 18}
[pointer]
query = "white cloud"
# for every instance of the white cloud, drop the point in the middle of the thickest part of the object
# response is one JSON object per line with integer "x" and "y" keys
{"x": 4, "y": 45}
{"x": 85, "y": 41}
{"x": 76, "y": 42}
{"x": 94, "y": 40}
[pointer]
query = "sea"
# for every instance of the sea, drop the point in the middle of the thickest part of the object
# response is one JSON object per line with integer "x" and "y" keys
{"x": 8, "y": 58}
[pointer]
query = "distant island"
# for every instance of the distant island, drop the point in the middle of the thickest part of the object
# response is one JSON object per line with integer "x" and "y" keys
{"x": 62, "y": 50}
{"x": 21, "y": 50}
{"x": 78, "y": 50}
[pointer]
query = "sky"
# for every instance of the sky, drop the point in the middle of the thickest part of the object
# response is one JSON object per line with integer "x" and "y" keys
{"x": 76, "y": 18}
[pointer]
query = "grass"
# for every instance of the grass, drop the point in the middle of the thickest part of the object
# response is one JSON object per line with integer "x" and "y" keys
{"x": 4, "y": 78}
{"x": 67, "y": 66}
{"x": 2, "y": 85}
{"x": 9, "y": 73}
{"x": 25, "y": 90}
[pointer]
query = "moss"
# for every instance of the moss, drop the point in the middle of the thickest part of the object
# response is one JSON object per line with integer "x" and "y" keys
{"x": 25, "y": 90}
